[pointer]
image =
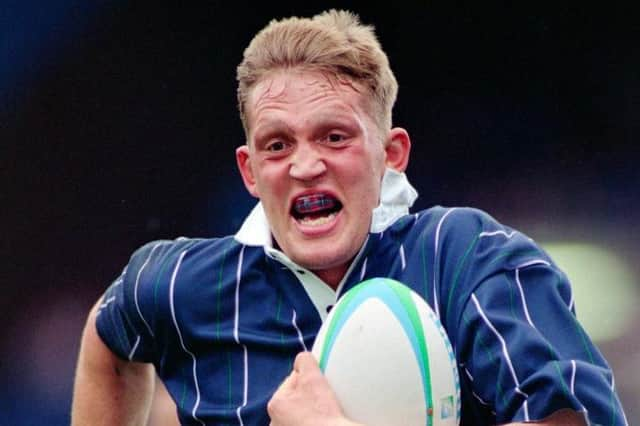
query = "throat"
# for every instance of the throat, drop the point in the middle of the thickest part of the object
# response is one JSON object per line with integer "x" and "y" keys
{"x": 332, "y": 276}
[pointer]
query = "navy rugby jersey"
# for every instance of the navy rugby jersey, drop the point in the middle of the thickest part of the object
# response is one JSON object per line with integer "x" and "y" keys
{"x": 222, "y": 320}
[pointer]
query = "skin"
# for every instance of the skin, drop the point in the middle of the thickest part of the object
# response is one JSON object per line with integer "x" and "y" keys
{"x": 313, "y": 134}
{"x": 108, "y": 390}
{"x": 308, "y": 134}
{"x": 305, "y": 398}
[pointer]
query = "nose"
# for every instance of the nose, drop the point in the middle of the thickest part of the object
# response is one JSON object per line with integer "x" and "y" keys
{"x": 306, "y": 163}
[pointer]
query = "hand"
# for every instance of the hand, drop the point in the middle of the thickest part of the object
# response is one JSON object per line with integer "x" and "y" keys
{"x": 305, "y": 398}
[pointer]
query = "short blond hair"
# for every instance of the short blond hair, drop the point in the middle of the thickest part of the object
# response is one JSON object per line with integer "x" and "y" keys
{"x": 334, "y": 42}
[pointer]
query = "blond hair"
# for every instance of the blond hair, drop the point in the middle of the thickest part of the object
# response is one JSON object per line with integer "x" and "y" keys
{"x": 334, "y": 42}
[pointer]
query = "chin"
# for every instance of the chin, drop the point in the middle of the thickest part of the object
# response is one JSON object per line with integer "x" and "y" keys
{"x": 321, "y": 263}
{"x": 328, "y": 256}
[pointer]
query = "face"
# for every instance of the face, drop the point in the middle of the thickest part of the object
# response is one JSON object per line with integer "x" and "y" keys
{"x": 316, "y": 160}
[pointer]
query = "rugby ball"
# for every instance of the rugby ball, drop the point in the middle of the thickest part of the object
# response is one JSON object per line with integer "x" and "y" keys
{"x": 388, "y": 359}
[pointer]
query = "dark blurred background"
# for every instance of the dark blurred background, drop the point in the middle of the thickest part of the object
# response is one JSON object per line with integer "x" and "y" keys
{"x": 118, "y": 124}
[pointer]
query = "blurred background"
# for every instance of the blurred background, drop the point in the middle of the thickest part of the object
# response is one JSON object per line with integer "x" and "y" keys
{"x": 118, "y": 125}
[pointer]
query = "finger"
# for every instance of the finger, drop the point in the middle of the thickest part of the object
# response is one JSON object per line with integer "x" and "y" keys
{"x": 292, "y": 379}
{"x": 305, "y": 362}
{"x": 289, "y": 382}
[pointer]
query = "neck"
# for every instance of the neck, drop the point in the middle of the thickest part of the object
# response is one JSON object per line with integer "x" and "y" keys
{"x": 332, "y": 276}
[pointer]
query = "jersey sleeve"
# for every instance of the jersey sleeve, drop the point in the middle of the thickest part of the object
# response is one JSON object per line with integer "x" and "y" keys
{"x": 522, "y": 353}
{"x": 125, "y": 318}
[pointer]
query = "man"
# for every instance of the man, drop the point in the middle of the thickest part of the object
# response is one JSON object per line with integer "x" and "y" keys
{"x": 227, "y": 322}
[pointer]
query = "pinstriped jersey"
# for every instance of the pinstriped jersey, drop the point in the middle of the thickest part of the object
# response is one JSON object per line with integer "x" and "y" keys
{"x": 222, "y": 320}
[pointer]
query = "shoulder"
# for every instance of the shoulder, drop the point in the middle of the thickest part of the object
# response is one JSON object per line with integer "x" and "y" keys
{"x": 156, "y": 260}
{"x": 449, "y": 224}
{"x": 153, "y": 268}
{"x": 474, "y": 237}
{"x": 459, "y": 219}
{"x": 466, "y": 246}
{"x": 167, "y": 250}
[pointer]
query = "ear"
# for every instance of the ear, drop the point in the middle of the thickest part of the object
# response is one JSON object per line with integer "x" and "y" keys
{"x": 397, "y": 149}
{"x": 243, "y": 159}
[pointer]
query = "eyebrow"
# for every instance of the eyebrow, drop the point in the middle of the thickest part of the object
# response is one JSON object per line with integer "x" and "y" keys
{"x": 320, "y": 123}
{"x": 334, "y": 114}
{"x": 272, "y": 126}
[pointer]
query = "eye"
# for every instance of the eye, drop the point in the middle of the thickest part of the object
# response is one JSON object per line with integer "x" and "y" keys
{"x": 276, "y": 146}
{"x": 335, "y": 137}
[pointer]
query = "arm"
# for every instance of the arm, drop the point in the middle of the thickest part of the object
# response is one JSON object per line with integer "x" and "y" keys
{"x": 508, "y": 309}
{"x": 517, "y": 335}
{"x": 559, "y": 418}
{"x": 109, "y": 390}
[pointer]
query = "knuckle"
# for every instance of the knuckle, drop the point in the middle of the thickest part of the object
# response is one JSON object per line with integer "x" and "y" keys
{"x": 272, "y": 406}
{"x": 309, "y": 380}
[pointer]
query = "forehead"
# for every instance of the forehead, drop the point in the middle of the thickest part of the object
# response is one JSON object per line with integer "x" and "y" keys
{"x": 313, "y": 90}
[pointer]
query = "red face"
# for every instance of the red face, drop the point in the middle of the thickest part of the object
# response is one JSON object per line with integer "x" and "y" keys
{"x": 315, "y": 159}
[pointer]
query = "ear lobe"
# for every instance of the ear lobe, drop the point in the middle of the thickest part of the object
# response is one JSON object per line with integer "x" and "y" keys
{"x": 243, "y": 160}
{"x": 397, "y": 149}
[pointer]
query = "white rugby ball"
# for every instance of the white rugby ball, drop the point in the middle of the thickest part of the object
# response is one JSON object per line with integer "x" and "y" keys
{"x": 388, "y": 359}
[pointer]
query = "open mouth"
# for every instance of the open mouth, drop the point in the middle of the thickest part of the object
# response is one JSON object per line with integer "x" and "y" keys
{"x": 315, "y": 209}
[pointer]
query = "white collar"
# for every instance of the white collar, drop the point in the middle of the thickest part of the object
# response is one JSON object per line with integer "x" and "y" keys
{"x": 396, "y": 197}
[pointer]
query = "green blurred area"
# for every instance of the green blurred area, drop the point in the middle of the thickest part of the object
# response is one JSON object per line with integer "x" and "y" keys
{"x": 604, "y": 287}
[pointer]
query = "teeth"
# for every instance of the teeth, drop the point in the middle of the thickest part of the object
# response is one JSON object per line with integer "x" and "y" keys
{"x": 314, "y": 202}
{"x": 318, "y": 220}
